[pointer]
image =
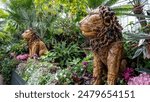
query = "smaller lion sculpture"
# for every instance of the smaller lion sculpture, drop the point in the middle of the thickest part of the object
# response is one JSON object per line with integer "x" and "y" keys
{"x": 35, "y": 44}
{"x": 105, "y": 33}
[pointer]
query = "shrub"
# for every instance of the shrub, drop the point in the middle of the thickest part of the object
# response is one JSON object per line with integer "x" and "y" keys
{"x": 7, "y": 65}
{"x": 63, "y": 53}
{"x": 78, "y": 71}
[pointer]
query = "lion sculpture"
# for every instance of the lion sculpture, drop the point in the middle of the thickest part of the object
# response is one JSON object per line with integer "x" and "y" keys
{"x": 35, "y": 44}
{"x": 102, "y": 28}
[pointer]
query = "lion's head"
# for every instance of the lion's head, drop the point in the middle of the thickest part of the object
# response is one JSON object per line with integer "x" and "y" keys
{"x": 29, "y": 34}
{"x": 101, "y": 26}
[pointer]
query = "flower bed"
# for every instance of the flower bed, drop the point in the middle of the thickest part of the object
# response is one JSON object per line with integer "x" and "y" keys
{"x": 33, "y": 72}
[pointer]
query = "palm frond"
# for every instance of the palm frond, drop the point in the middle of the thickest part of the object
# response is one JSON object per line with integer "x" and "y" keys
{"x": 123, "y": 8}
{"x": 120, "y": 10}
{"x": 14, "y": 4}
{"x": 137, "y": 36}
{"x": 136, "y": 15}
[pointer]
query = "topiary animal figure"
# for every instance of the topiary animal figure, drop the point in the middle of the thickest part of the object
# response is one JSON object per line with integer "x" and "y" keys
{"x": 102, "y": 28}
{"x": 36, "y": 45}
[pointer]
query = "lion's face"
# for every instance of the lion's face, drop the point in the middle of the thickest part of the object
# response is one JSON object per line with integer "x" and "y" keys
{"x": 91, "y": 24}
{"x": 27, "y": 35}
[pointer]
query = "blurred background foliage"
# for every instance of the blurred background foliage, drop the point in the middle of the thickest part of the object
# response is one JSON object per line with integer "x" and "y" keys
{"x": 56, "y": 22}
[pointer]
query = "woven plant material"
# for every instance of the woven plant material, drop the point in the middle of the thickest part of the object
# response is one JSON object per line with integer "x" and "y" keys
{"x": 35, "y": 44}
{"x": 102, "y": 28}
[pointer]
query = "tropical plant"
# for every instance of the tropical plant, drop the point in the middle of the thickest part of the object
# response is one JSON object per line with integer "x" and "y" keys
{"x": 63, "y": 53}
{"x": 7, "y": 65}
{"x": 78, "y": 71}
{"x": 119, "y": 9}
{"x": 138, "y": 10}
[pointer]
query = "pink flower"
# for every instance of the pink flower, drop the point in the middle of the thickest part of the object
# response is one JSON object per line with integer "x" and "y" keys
{"x": 142, "y": 79}
{"x": 22, "y": 57}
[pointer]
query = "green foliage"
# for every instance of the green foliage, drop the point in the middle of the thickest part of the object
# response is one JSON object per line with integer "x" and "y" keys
{"x": 38, "y": 72}
{"x": 63, "y": 53}
{"x": 55, "y": 21}
{"x": 2, "y": 36}
{"x": 119, "y": 10}
{"x": 4, "y": 1}
{"x": 3, "y": 14}
{"x": 65, "y": 77}
{"x": 123, "y": 9}
{"x": 75, "y": 8}
{"x": 6, "y": 66}
{"x": 16, "y": 4}
{"x": 77, "y": 67}
{"x": 110, "y": 2}
{"x": 18, "y": 47}
{"x": 95, "y": 3}
{"x": 129, "y": 49}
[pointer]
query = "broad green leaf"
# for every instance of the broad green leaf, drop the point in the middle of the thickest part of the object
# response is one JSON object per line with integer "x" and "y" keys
{"x": 2, "y": 35}
{"x": 3, "y": 14}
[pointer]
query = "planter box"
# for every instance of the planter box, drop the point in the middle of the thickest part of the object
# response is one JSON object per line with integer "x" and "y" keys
{"x": 1, "y": 79}
{"x": 16, "y": 79}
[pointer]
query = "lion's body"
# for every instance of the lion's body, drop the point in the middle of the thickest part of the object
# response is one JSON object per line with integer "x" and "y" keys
{"x": 104, "y": 31}
{"x": 36, "y": 46}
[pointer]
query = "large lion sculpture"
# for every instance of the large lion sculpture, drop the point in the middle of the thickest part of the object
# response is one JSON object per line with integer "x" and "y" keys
{"x": 105, "y": 33}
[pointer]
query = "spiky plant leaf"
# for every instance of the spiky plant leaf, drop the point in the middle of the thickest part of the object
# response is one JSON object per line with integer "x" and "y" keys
{"x": 123, "y": 8}
{"x": 137, "y": 15}
{"x": 142, "y": 70}
{"x": 137, "y": 36}
{"x": 138, "y": 52}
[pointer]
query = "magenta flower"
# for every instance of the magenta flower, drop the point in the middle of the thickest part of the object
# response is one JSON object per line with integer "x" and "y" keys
{"x": 22, "y": 57}
{"x": 128, "y": 73}
{"x": 142, "y": 79}
{"x": 85, "y": 64}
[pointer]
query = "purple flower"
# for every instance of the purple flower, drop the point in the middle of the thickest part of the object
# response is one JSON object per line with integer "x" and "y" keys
{"x": 85, "y": 64}
{"x": 128, "y": 73}
{"x": 142, "y": 79}
{"x": 84, "y": 55}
